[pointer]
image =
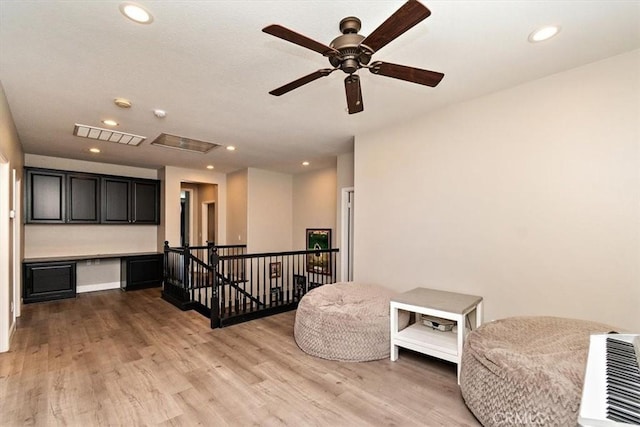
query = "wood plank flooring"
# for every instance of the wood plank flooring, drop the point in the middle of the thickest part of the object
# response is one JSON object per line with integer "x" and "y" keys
{"x": 130, "y": 359}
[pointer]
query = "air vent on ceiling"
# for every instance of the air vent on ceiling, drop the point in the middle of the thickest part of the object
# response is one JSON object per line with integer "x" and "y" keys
{"x": 181, "y": 143}
{"x": 100, "y": 134}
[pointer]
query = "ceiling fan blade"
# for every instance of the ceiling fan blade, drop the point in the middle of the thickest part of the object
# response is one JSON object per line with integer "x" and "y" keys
{"x": 410, "y": 74}
{"x": 354, "y": 93}
{"x": 299, "y": 39}
{"x": 409, "y": 14}
{"x": 301, "y": 81}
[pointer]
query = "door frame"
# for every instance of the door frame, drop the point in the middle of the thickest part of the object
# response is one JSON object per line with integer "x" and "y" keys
{"x": 204, "y": 216}
{"x": 16, "y": 214}
{"x": 6, "y": 264}
{"x": 346, "y": 238}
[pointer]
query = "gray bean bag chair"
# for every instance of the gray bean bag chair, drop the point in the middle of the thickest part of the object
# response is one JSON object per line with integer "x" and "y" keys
{"x": 527, "y": 370}
{"x": 346, "y": 322}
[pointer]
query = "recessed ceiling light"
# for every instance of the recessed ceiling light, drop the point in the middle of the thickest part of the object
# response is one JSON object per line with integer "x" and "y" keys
{"x": 544, "y": 33}
{"x": 231, "y": 148}
{"x": 110, "y": 122}
{"x": 161, "y": 114}
{"x": 210, "y": 167}
{"x": 122, "y": 103}
{"x": 305, "y": 163}
{"x": 136, "y": 13}
{"x": 94, "y": 150}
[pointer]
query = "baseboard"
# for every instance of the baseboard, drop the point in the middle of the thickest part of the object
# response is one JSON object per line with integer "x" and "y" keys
{"x": 97, "y": 287}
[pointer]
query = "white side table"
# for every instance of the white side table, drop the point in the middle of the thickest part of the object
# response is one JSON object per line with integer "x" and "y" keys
{"x": 423, "y": 339}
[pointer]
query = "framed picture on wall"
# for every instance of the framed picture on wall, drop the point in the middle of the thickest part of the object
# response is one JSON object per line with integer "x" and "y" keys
{"x": 319, "y": 239}
{"x": 275, "y": 269}
{"x": 300, "y": 283}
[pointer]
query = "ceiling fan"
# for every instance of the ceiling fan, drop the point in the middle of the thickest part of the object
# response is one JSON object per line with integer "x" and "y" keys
{"x": 351, "y": 51}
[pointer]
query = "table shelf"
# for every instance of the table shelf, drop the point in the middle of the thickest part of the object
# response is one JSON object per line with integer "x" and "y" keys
{"x": 427, "y": 337}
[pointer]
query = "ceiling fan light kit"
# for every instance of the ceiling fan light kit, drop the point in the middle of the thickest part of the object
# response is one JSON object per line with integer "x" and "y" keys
{"x": 351, "y": 51}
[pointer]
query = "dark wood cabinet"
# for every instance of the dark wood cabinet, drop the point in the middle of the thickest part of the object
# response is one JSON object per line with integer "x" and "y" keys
{"x": 54, "y": 196}
{"x": 130, "y": 201}
{"x": 142, "y": 271}
{"x": 116, "y": 198}
{"x": 48, "y": 281}
{"x": 145, "y": 202}
{"x": 83, "y": 198}
{"x": 46, "y": 193}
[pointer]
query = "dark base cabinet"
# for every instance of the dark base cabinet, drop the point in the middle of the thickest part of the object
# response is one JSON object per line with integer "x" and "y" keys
{"x": 139, "y": 272}
{"x": 49, "y": 281}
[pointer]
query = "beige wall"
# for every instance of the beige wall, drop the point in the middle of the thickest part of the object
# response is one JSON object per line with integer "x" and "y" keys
{"x": 85, "y": 239}
{"x": 237, "y": 183}
{"x": 269, "y": 211}
{"x": 12, "y": 157}
{"x": 314, "y": 204}
{"x": 529, "y": 197}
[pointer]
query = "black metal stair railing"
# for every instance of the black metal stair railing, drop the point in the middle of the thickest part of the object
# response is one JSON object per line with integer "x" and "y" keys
{"x": 188, "y": 274}
{"x": 250, "y": 286}
{"x": 230, "y": 286}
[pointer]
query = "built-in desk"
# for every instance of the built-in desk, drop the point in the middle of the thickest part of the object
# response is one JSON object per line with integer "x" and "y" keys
{"x": 51, "y": 278}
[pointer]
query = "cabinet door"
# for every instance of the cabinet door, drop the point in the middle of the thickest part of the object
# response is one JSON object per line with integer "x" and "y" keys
{"x": 115, "y": 200}
{"x": 45, "y": 197}
{"x": 83, "y": 198}
{"x": 145, "y": 202}
{"x": 143, "y": 271}
{"x": 49, "y": 281}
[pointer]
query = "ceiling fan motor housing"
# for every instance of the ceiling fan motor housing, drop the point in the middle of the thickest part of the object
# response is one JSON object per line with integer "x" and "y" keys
{"x": 350, "y": 24}
{"x": 352, "y": 54}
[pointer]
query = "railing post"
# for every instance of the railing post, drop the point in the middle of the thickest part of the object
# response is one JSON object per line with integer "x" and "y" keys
{"x": 214, "y": 260}
{"x": 186, "y": 256}
{"x": 165, "y": 264}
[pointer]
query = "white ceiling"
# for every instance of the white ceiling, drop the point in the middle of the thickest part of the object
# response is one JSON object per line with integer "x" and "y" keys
{"x": 209, "y": 65}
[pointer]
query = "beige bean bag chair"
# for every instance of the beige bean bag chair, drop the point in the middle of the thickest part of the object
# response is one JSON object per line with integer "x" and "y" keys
{"x": 527, "y": 370}
{"x": 346, "y": 322}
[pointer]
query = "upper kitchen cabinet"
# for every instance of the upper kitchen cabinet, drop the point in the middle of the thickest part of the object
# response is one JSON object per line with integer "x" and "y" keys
{"x": 83, "y": 198}
{"x": 116, "y": 200}
{"x": 61, "y": 197}
{"x": 145, "y": 201}
{"x": 45, "y": 196}
{"x": 135, "y": 201}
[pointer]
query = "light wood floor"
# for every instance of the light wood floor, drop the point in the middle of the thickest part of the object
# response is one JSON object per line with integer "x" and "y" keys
{"x": 114, "y": 358}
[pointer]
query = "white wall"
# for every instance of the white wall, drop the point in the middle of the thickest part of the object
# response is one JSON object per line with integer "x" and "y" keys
{"x": 269, "y": 211}
{"x": 529, "y": 197}
{"x": 314, "y": 205}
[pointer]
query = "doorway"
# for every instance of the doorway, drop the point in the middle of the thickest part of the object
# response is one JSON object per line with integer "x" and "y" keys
{"x": 185, "y": 217}
{"x": 346, "y": 253}
{"x": 208, "y": 222}
{"x": 198, "y": 213}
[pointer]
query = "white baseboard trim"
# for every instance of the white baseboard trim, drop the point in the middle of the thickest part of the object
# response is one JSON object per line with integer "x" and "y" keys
{"x": 97, "y": 287}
